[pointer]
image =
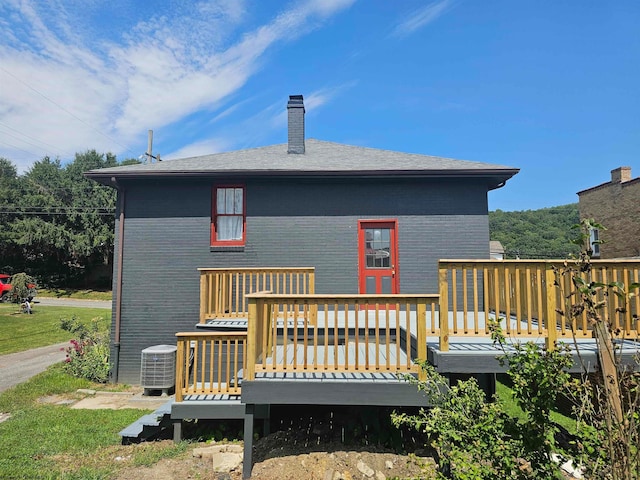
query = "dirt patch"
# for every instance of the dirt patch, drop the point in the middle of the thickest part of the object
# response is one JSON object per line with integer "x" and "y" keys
{"x": 276, "y": 458}
{"x": 131, "y": 397}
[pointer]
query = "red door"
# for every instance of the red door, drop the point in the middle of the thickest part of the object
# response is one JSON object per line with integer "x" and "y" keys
{"x": 378, "y": 256}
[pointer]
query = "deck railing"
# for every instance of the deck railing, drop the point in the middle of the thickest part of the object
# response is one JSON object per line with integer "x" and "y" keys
{"x": 208, "y": 363}
{"x": 350, "y": 333}
{"x": 525, "y": 296}
{"x": 292, "y": 330}
{"x": 223, "y": 291}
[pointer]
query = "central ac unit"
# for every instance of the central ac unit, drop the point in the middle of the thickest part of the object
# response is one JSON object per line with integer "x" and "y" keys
{"x": 158, "y": 368}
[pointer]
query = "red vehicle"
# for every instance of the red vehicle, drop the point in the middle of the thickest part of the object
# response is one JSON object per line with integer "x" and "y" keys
{"x": 5, "y": 289}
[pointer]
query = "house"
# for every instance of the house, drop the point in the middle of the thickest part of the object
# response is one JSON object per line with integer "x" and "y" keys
{"x": 616, "y": 206}
{"x": 368, "y": 220}
{"x": 496, "y": 250}
{"x": 312, "y": 273}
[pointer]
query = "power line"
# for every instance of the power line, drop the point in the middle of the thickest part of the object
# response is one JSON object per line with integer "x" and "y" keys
{"x": 47, "y": 214}
{"x": 55, "y": 210}
{"x": 21, "y": 149}
{"x": 32, "y": 138}
{"x": 67, "y": 111}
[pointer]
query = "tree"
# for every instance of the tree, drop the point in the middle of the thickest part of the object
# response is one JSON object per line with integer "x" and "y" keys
{"x": 544, "y": 233}
{"x": 8, "y": 194}
{"x": 58, "y": 224}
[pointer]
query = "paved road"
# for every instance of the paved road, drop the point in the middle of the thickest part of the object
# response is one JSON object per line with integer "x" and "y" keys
{"x": 19, "y": 367}
{"x": 72, "y": 302}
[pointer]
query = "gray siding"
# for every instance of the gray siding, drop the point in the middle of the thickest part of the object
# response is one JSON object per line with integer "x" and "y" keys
{"x": 167, "y": 237}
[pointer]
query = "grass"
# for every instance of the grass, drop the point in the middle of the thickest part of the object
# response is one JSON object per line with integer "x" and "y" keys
{"x": 54, "y": 441}
{"x": 505, "y": 394}
{"x": 22, "y": 332}
{"x": 75, "y": 293}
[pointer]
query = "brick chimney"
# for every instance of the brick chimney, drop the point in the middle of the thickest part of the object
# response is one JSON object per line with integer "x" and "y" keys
{"x": 295, "y": 110}
{"x": 621, "y": 175}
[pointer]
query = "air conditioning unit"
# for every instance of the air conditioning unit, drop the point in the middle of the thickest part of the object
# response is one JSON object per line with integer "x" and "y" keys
{"x": 158, "y": 368}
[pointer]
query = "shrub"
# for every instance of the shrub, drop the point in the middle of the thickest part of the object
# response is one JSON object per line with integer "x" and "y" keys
{"x": 22, "y": 287}
{"x": 88, "y": 353}
{"x": 476, "y": 439}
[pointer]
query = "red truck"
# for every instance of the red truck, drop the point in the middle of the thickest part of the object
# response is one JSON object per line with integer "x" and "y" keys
{"x": 5, "y": 289}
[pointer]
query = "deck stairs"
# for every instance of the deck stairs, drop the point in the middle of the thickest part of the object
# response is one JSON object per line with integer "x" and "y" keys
{"x": 148, "y": 426}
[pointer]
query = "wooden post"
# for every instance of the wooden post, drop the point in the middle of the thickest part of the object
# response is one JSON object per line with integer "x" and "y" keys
{"x": 252, "y": 336}
{"x": 550, "y": 314}
{"x": 421, "y": 319}
{"x": 313, "y": 314}
{"x": 180, "y": 370}
{"x": 606, "y": 356}
{"x": 444, "y": 309}
{"x": 203, "y": 296}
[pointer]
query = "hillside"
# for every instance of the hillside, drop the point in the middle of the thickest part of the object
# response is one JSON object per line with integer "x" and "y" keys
{"x": 544, "y": 233}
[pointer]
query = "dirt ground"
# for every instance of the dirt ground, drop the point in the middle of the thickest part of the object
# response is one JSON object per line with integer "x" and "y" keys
{"x": 302, "y": 450}
{"x": 276, "y": 459}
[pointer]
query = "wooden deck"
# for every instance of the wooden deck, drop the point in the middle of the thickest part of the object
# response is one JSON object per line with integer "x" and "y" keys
{"x": 292, "y": 346}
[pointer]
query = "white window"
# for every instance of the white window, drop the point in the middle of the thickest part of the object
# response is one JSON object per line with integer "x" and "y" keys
{"x": 228, "y": 216}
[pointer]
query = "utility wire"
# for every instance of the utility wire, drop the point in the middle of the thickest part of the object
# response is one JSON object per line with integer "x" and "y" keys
{"x": 9, "y": 208}
{"x": 46, "y": 214}
{"x": 21, "y": 149}
{"x": 67, "y": 111}
{"x": 24, "y": 141}
{"x": 32, "y": 138}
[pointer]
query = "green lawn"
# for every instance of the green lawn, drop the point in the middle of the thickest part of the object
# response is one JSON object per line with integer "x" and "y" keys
{"x": 75, "y": 293}
{"x": 48, "y": 441}
{"x": 505, "y": 394}
{"x": 21, "y": 332}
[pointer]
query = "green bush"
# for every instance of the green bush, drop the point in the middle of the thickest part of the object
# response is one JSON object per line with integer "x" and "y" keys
{"x": 471, "y": 437}
{"x": 23, "y": 286}
{"x": 88, "y": 353}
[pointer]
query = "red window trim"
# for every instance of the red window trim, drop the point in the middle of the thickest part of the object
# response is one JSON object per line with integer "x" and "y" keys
{"x": 214, "y": 215}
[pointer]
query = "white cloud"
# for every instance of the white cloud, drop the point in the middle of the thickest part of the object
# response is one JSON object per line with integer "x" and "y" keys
{"x": 276, "y": 115}
{"x": 65, "y": 85}
{"x": 204, "y": 147}
{"x": 421, "y": 18}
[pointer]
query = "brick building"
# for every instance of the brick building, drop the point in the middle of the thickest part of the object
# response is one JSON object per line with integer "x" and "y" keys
{"x": 368, "y": 220}
{"x": 616, "y": 206}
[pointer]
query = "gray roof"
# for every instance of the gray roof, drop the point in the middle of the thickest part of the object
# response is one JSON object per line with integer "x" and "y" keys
{"x": 320, "y": 159}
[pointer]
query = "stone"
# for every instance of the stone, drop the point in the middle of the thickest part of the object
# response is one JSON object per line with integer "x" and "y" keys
{"x": 388, "y": 464}
{"x": 86, "y": 391}
{"x": 380, "y": 475}
{"x": 210, "y": 451}
{"x": 328, "y": 475}
{"x": 365, "y": 469}
{"x": 226, "y": 462}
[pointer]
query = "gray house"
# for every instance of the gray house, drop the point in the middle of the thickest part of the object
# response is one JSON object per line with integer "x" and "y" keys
{"x": 368, "y": 220}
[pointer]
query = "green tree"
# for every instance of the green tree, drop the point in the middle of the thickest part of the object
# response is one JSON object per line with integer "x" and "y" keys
{"x": 58, "y": 224}
{"x": 9, "y": 252}
{"x": 544, "y": 233}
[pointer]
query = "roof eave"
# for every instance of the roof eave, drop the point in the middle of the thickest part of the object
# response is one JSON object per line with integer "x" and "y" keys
{"x": 110, "y": 178}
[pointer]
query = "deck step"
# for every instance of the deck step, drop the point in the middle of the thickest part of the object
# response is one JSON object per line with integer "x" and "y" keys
{"x": 148, "y": 426}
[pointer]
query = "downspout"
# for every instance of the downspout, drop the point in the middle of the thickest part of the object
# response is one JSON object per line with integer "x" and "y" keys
{"x": 118, "y": 317}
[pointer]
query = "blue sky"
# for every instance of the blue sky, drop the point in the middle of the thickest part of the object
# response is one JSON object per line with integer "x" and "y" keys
{"x": 546, "y": 86}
